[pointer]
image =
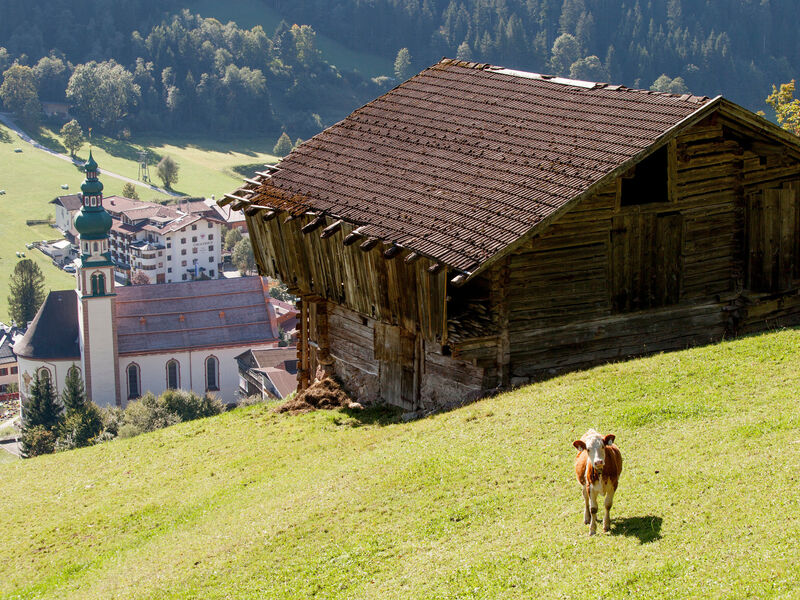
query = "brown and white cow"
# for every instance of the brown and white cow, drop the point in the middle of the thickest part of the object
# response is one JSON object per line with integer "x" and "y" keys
{"x": 598, "y": 465}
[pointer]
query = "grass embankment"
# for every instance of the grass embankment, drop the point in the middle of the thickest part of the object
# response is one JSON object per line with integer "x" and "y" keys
{"x": 476, "y": 503}
{"x": 32, "y": 178}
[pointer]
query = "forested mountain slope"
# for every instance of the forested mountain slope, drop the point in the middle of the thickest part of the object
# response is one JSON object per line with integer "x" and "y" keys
{"x": 731, "y": 47}
{"x": 182, "y": 72}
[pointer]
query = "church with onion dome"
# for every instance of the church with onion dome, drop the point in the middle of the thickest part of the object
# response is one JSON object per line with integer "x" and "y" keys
{"x": 127, "y": 340}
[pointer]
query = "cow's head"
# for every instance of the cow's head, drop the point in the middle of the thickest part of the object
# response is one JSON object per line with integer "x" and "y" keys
{"x": 595, "y": 444}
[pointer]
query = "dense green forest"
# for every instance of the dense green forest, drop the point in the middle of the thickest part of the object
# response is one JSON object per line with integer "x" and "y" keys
{"x": 124, "y": 67}
{"x": 173, "y": 70}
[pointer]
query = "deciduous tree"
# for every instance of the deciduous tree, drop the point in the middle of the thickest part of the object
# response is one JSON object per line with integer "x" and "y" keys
{"x": 786, "y": 107}
{"x": 104, "y": 92}
{"x": 26, "y": 287}
{"x": 140, "y": 278}
{"x": 19, "y": 94}
{"x": 243, "y": 258}
{"x": 232, "y": 238}
{"x": 72, "y": 134}
{"x": 167, "y": 171}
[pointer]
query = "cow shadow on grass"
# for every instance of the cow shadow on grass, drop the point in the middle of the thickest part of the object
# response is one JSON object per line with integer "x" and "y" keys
{"x": 647, "y": 529}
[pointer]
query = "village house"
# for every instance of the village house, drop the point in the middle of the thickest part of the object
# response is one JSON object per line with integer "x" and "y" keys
{"x": 127, "y": 340}
{"x": 168, "y": 243}
{"x": 478, "y": 228}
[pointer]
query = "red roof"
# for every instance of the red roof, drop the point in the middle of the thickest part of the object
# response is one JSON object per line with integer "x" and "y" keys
{"x": 463, "y": 159}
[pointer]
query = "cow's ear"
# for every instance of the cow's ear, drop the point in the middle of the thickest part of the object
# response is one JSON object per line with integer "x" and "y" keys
{"x": 579, "y": 444}
{"x": 609, "y": 439}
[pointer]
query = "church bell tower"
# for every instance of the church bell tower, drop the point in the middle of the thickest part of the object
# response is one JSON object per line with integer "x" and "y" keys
{"x": 95, "y": 288}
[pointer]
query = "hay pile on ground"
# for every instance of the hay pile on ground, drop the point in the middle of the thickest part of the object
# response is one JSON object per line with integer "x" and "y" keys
{"x": 323, "y": 394}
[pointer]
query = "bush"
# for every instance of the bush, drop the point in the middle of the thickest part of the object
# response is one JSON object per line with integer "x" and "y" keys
{"x": 37, "y": 440}
{"x": 80, "y": 428}
{"x": 146, "y": 414}
{"x": 189, "y": 406}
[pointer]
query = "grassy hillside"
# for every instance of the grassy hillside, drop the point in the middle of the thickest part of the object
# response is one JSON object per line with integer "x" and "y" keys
{"x": 32, "y": 178}
{"x": 476, "y": 503}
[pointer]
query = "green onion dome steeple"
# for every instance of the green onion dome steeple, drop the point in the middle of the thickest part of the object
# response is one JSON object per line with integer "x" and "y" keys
{"x": 92, "y": 221}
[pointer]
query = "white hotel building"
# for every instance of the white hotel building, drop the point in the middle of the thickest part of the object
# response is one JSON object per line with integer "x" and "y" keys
{"x": 172, "y": 243}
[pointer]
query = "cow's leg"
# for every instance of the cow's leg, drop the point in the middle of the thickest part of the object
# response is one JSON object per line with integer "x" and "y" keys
{"x": 586, "y": 515}
{"x": 593, "y": 510}
{"x": 609, "y": 502}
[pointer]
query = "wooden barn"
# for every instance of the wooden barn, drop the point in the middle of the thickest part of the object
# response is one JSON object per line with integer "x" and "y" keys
{"x": 477, "y": 228}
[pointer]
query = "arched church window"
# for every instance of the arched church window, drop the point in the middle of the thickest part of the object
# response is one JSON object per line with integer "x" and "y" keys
{"x": 45, "y": 375}
{"x": 73, "y": 370}
{"x": 98, "y": 284}
{"x": 94, "y": 247}
{"x": 134, "y": 381}
{"x": 212, "y": 374}
{"x": 173, "y": 375}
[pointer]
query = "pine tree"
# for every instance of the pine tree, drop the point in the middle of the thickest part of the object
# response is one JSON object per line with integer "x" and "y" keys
{"x": 74, "y": 394}
{"x": 283, "y": 146}
{"x": 41, "y": 406}
{"x": 129, "y": 191}
{"x": 26, "y": 285}
{"x": 402, "y": 64}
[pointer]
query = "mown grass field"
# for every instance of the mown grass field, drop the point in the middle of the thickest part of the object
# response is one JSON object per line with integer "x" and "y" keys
{"x": 32, "y": 178}
{"x": 476, "y": 503}
{"x": 249, "y": 13}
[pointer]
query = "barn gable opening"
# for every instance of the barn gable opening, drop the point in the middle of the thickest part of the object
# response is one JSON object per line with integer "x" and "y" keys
{"x": 647, "y": 182}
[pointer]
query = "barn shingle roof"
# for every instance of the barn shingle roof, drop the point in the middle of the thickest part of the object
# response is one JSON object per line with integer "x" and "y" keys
{"x": 461, "y": 160}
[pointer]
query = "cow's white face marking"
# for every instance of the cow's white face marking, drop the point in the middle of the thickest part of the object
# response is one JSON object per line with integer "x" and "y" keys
{"x": 596, "y": 448}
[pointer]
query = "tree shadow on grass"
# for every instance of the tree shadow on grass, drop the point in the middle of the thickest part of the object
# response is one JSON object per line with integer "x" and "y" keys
{"x": 647, "y": 529}
{"x": 44, "y": 137}
{"x": 5, "y": 137}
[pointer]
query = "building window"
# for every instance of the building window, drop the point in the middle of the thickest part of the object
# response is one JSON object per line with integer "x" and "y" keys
{"x": 194, "y": 238}
{"x": 169, "y": 269}
{"x": 212, "y": 374}
{"x": 210, "y": 249}
{"x": 210, "y": 224}
{"x": 173, "y": 375}
{"x": 183, "y": 252}
{"x": 194, "y": 227}
{"x": 161, "y": 253}
{"x": 194, "y": 250}
{"x": 134, "y": 381}
{"x": 94, "y": 247}
{"x": 210, "y": 235}
{"x": 211, "y": 273}
{"x": 98, "y": 284}
{"x": 169, "y": 244}
{"x": 44, "y": 375}
{"x": 183, "y": 277}
{"x": 183, "y": 263}
{"x": 3, "y": 371}
{"x": 183, "y": 240}
{"x": 13, "y": 370}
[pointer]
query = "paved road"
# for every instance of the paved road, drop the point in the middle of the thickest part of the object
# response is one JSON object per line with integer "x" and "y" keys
{"x": 6, "y": 119}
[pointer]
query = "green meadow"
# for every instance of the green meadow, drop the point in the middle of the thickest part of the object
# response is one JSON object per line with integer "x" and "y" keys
{"x": 480, "y": 502}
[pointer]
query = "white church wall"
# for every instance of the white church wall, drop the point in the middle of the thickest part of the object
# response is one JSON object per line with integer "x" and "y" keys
{"x": 58, "y": 371}
{"x": 192, "y": 363}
